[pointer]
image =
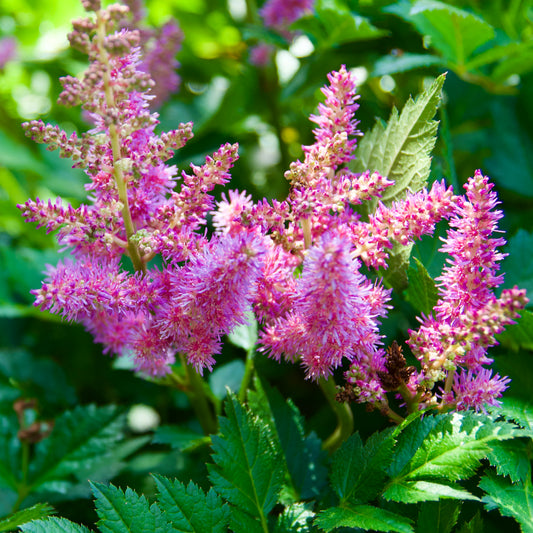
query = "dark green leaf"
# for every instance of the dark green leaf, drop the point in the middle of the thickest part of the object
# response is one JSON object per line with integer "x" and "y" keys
{"x": 189, "y": 509}
{"x": 518, "y": 266}
{"x": 511, "y": 162}
{"x": 81, "y": 440}
{"x": 365, "y": 517}
{"x": 304, "y": 456}
{"x": 511, "y": 499}
{"x": 473, "y": 526}
{"x": 438, "y": 517}
{"x": 248, "y": 470}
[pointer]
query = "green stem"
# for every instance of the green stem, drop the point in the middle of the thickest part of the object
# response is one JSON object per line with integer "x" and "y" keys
{"x": 199, "y": 402}
{"x": 248, "y": 371}
{"x": 410, "y": 399}
{"x": 343, "y": 413}
{"x": 115, "y": 146}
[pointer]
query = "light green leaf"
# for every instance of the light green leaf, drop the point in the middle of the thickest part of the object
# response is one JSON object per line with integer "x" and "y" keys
{"x": 54, "y": 525}
{"x": 365, "y": 517}
{"x": 400, "y": 150}
{"x": 248, "y": 470}
{"x": 425, "y": 491}
{"x": 449, "y": 451}
{"x": 189, "y": 509}
{"x": 245, "y": 336}
{"x": 511, "y": 499}
{"x": 330, "y": 27}
{"x": 126, "y": 512}
{"x": 35, "y": 512}
{"x": 452, "y": 31}
{"x": 422, "y": 291}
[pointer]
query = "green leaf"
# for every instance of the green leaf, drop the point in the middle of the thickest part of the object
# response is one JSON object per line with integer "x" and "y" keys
{"x": 365, "y": 517}
{"x": 520, "y": 335}
{"x": 226, "y": 376}
{"x": 296, "y": 518}
{"x": 422, "y": 291}
{"x": 35, "y": 512}
{"x": 425, "y": 491}
{"x": 245, "y": 336}
{"x": 511, "y": 163}
{"x": 303, "y": 454}
{"x": 400, "y": 150}
{"x": 452, "y": 31}
{"x": 331, "y": 27}
{"x": 81, "y": 442}
{"x": 518, "y": 266}
{"x": 189, "y": 509}
{"x": 126, "y": 512}
{"x": 358, "y": 472}
{"x": 450, "y": 450}
{"x": 248, "y": 470}
{"x": 512, "y": 458}
{"x": 392, "y": 64}
{"x": 518, "y": 411}
{"x": 54, "y": 525}
{"x": 511, "y": 499}
{"x": 438, "y": 517}
{"x": 473, "y": 526}
{"x": 179, "y": 438}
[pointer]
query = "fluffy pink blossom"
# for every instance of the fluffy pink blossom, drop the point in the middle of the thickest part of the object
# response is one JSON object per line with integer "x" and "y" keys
{"x": 280, "y": 14}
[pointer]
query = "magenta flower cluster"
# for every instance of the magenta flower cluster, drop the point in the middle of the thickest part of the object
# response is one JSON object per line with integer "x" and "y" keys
{"x": 296, "y": 264}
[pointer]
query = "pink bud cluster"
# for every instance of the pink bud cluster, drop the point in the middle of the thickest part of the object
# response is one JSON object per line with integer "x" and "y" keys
{"x": 452, "y": 344}
{"x": 301, "y": 265}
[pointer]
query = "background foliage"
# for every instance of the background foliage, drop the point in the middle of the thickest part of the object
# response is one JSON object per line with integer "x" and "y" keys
{"x": 398, "y": 49}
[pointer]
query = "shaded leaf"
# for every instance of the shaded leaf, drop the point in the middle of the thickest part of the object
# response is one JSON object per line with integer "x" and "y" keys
{"x": 179, "y": 438}
{"x": 512, "y": 458}
{"x": 438, "y": 517}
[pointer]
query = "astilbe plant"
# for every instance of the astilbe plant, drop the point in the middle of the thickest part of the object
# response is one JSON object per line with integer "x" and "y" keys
{"x": 297, "y": 264}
